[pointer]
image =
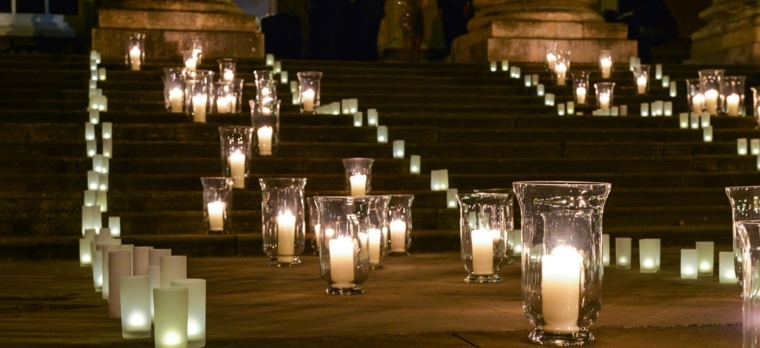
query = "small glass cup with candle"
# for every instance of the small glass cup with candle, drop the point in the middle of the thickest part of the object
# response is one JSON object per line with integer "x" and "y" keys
{"x": 605, "y": 92}
{"x": 694, "y": 98}
{"x": 174, "y": 89}
{"x": 135, "y": 306}
{"x": 580, "y": 87}
{"x": 282, "y": 219}
{"x": 308, "y": 89}
{"x": 377, "y": 231}
{"x": 236, "y": 151}
{"x": 343, "y": 251}
{"x": 197, "y": 92}
{"x": 733, "y": 95}
{"x": 217, "y": 203}
{"x": 225, "y": 99}
{"x": 483, "y": 222}
{"x": 562, "y": 263}
{"x": 266, "y": 85}
{"x": 265, "y": 118}
{"x": 358, "y": 175}
{"x": 227, "y": 69}
{"x": 562, "y": 67}
{"x": 135, "y": 51}
{"x": 400, "y": 224}
{"x": 551, "y": 56}
{"x": 605, "y": 63}
{"x": 710, "y": 84}
{"x": 641, "y": 79}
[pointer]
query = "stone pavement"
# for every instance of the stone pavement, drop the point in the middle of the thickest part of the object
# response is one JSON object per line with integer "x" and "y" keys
{"x": 415, "y": 301}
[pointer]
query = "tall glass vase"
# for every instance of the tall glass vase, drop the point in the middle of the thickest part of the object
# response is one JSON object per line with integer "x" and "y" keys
{"x": 745, "y": 205}
{"x": 561, "y": 258}
{"x": 749, "y": 233}
{"x": 483, "y": 224}
{"x": 282, "y": 220}
{"x": 236, "y": 151}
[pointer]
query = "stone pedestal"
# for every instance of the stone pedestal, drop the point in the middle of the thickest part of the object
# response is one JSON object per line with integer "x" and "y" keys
{"x": 523, "y": 30}
{"x": 731, "y": 36}
{"x": 171, "y": 26}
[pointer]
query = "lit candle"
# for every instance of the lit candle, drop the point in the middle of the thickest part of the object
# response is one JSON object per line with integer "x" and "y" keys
{"x": 707, "y": 134}
{"x": 223, "y": 104}
{"x": 375, "y": 238}
{"x": 605, "y": 249}
{"x": 134, "y": 58}
{"x": 570, "y": 108}
{"x": 269, "y": 59}
{"x": 683, "y": 120}
{"x": 358, "y": 119}
{"x": 561, "y": 70}
{"x": 641, "y": 84}
{"x": 741, "y": 146}
{"x": 451, "y": 198}
{"x": 711, "y": 101}
{"x": 665, "y": 81}
{"x": 382, "y": 134}
{"x": 561, "y": 109}
{"x": 673, "y": 90}
{"x": 216, "y": 216}
{"x": 398, "y": 235}
{"x": 732, "y": 104}
{"x": 551, "y": 60}
{"x": 196, "y": 310}
{"x": 140, "y": 258}
{"x": 286, "y": 227}
{"x": 172, "y": 267}
{"x": 358, "y": 185}
{"x": 697, "y": 102}
{"x": 606, "y": 65}
{"x": 560, "y": 289}
{"x": 199, "y": 108}
{"x": 540, "y": 89}
{"x": 237, "y": 168}
{"x": 414, "y": 164}
{"x": 705, "y": 258}
{"x": 171, "y": 313}
{"x": 658, "y": 71}
{"x": 580, "y": 95}
{"x": 604, "y": 100}
{"x": 493, "y": 65}
{"x": 754, "y": 145}
{"x": 85, "y": 252}
{"x": 726, "y": 265}
{"x": 264, "y": 136}
{"x": 102, "y": 74}
{"x": 175, "y": 99}
{"x": 649, "y": 250}
{"x": 342, "y": 262}
{"x": 372, "y": 117}
{"x": 644, "y": 109}
{"x": 283, "y": 77}
{"x": 190, "y": 63}
{"x": 482, "y": 252}
{"x": 688, "y": 264}
{"x": 398, "y": 149}
{"x": 135, "y": 307}
{"x": 228, "y": 75}
{"x": 623, "y": 253}
{"x": 307, "y": 98}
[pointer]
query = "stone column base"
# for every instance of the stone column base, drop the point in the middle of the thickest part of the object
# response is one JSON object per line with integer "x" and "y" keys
{"x": 528, "y": 41}
{"x": 731, "y": 37}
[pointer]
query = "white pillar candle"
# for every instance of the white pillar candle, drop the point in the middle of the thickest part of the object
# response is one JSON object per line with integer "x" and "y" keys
{"x": 173, "y": 267}
{"x": 561, "y": 109}
{"x": 606, "y": 64}
{"x": 732, "y": 104}
{"x": 108, "y": 148}
{"x": 549, "y": 99}
{"x": 358, "y": 119}
{"x": 94, "y": 116}
{"x": 641, "y": 85}
{"x": 277, "y": 68}
{"x": 374, "y": 239}
{"x": 94, "y": 75}
{"x": 307, "y": 99}
{"x": 286, "y": 229}
{"x": 741, "y": 146}
{"x": 119, "y": 265}
{"x": 398, "y": 235}
{"x": 102, "y": 74}
{"x": 570, "y": 108}
{"x": 658, "y": 71}
{"x": 229, "y": 75}
{"x": 372, "y": 118}
{"x": 382, "y": 134}
{"x": 673, "y": 89}
{"x": 85, "y": 252}
{"x": 505, "y": 65}
{"x": 114, "y": 225}
{"x": 683, "y": 120}
{"x": 644, "y": 109}
{"x": 605, "y": 249}
{"x": 623, "y": 253}
{"x": 707, "y": 134}
{"x": 341, "y": 262}
{"x": 196, "y": 310}
{"x": 264, "y": 138}
{"x": 451, "y": 198}
{"x": 358, "y": 185}
{"x": 216, "y": 216}
{"x": 398, "y": 149}
{"x": 236, "y": 161}
{"x": 269, "y": 59}
{"x": 415, "y": 164}
{"x": 528, "y": 80}
{"x": 667, "y": 108}
{"x": 754, "y": 145}
{"x": 706, "y": 258}
{"x": 560, "y": 289}
{"x": 688, "y": 263}
{"x": 199, "y": 108}
{"x": 604, "y": 100}
{"x": 135, "y": 306}
{"x": 171, "y": 312}
{"x": 134, "y": 58}
{"x": 649, "y": 250}
{"x": 726, "y": 265}
{"x": 711, "y": 101}
{"x": 223, "y": 105}
{"x": 665, "y": 81}
{"x": 540, "y": 90}
{"x": 140, "y": 258}
{"x": 580, "y": 95}
{"x": 191, "y": 63}
{"x": 482, "y": 252}
{"x": 492, "y": 65}
{"x": 560, "y": 70}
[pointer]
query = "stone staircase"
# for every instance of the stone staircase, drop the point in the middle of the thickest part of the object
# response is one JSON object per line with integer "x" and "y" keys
{"x": 488, "y": 130}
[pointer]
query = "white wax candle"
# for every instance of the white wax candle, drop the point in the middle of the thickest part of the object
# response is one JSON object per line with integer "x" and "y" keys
{"x": 726, "y": 265}
{"x": 199, "y": 108}
{"x": 561, "y": 71}
{"x": 414, "y": 164}
{"x": 705, "y": 258}
{"x": 293, "y": 87}
{"x": 216, "y": 216}
{"x": 135, "y": 307}
{"x": 604, "y": 100}
{"x": 606, "y": 65}
{"x": 711, "y": 101}
{"x": 580, "y": 95}
{"x": 191, "y": 63}
{"x": 341, "y": 262}
{"x": 606, "y": 249}
{"x": 623, "y": 253}
{"x": 286, "y": 229}
{"x": 732, "y": 104}
{"x": 228, "y": 75}
{"x": 482, "y": 252}
{"x": 561, "y": 272}
{"x": 358, "y": 185}
{"x": 264, "y": 137}
{"x": 688, "y": 263}
{"x": 107, "y": 130}
{"x": 93, "y": 180}
{"x": 119, "y": 265}
{"x": 697, "y": 103}
{"x": 398, "y": 235}
{"x": 134, "y": 58}
{"x": 434, "y": 180}
{"x": 741, "y": 146}
{"x": 236, "y": 162}
{"x": 398, "y": 149}
{"x": 551, "y": 60}
{"x": 641, "y": 85}
{"x": 223, "y": 105}
{"x": 114, "y": 224}
{"x": 171, "y": 313}
{"x": 375, "y": 238}
{"x": 307, "y": 98}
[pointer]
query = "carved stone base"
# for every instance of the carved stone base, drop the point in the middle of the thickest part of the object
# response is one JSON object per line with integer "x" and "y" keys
{"x": 732, "y": 35}
{"x": 528, "y": 41}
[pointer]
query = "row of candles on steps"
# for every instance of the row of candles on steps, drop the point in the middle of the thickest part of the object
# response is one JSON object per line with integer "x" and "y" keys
{"x": 143, "y": 285}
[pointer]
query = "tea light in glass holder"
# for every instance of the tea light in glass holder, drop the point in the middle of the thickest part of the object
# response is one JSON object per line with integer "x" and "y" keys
{"x": 741, "y": 146}
{"x": 689, "y": 264}
{"x": 732, "y": 95}
{"x": 190, "y": 59}
{"x": 283, "y": 220}
{"x": 727, "y": 268}
{"x": 170, "y": 306}
{"x": 668, "y": 108}
{"x": 641, "y": 79}
{"x": 227, "y": 69}
{"x": 135, "y": 306}
{"x": 135, "y": 51}
{"x": 707, "y": 134}
{"x": 358, "y": 173}
{"x": 623, "y": 253}
{"x": 382, "y": 134}
{"x": 236, "y": 147}
{"x": 649, "y": 253}
{"x": 398, "y": 149}
{"x": 415, "y": 164}
{"x": 580, "y": 87}
{"x": 605, "y": 63}
{"x": 604, "y": 94}
{"x": 705, "y": 258}
{"x": 309, "y": 83}
{"x": 560, "y": 71}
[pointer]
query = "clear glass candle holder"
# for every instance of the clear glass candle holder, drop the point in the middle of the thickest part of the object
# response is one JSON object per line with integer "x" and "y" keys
{"x": 581, "y": 87}
{"x": 236, "y": 151}
{"x": 755, "y": 104}
{"x": 400, "y": 224}
{"x": 190, "y": 59}
{"x": 313, "y": 229}
{"x": 605, "y": 63}
{"x": 308, "y": 89}
{"x": 483, "y": 222}
{"x": 217, "y": 203}
{"x": 562, "y": 68}
{"x": 749, "y": 232}
{"x": 641, "y": 79}
{"x": 174, "y": 89}
{"x": 733, "y": 95}
{"x": 745, "y": 205}
{"x": 711, "y": 83}
{"x": 551, "y": 56}
{"x": 694, "y": 97}
{"x": 225, "y": 98}
{"x": 282, "y": 220}
{"x": 377, "y": 231}
{"x": 266, "y": 85}
{"x": 343, "y": 252}
{"x": 227, "y": 69}
{"x": 358, "y": 175}
{"x": 265, "y": 118}
{"x": 135, "y": 51}
{"x": 561, "y": 258}
{"x": 198, "y": 92}
{"x": 605, "y": 93}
